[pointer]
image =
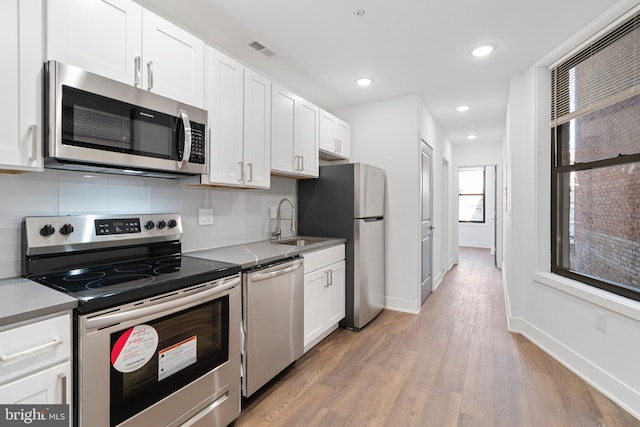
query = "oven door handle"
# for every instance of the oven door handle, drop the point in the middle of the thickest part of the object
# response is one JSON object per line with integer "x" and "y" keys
{"x": 176, "y": 301}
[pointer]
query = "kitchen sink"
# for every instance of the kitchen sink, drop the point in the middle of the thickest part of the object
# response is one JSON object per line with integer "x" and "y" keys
{"x": 299, "y": 241}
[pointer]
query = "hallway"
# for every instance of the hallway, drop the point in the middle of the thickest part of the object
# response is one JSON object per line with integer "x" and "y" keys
{"x": 454, "y": 364}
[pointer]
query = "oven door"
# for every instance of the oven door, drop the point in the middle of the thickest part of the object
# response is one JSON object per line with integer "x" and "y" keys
{"x": 162, "y": 361}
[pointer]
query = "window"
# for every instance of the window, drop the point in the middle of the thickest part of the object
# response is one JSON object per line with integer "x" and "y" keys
{"x": 471, "y": 194}
{"x": 595, "y": 128}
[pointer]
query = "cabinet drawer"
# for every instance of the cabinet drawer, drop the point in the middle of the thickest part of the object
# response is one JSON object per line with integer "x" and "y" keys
{"x": 314, "y": 260}
{"x": 335, "y": 254}
{"x": 30, "y": 347}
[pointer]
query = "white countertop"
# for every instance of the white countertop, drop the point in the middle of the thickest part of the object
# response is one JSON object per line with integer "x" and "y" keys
{"x": 256, "y": 253}
{"x": 22, "y": 299}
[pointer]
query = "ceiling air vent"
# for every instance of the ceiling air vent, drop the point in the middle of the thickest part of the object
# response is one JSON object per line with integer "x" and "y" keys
{"x": 260, "y": 47}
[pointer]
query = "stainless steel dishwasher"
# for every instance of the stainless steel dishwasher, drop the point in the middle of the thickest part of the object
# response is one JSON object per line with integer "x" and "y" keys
{"x": 272, "y": 318}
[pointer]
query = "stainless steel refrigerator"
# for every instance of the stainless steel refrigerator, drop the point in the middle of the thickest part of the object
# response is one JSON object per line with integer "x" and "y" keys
{"x": 347, "y": 200}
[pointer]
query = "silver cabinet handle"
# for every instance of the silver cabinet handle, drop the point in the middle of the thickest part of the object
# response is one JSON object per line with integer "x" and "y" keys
{"x": 250, "y": 166}
{"x": 63, "y": 387}
{"x": 330, "y": 277}
{"x": 258, "y": 277}
{"x": 33, "y": 146}
{"x": 335, "y": 140}
{"x": 241, "y": 164}
{"x": 149, "y": 75}
{"x": 186, "y": 155}
{"x": 326, "y": 277}
{"x": 137, "y": 72}
{"x": 31, "y": 351}
{"x": 296, "y": 160}
{"x": 176, "y": 301}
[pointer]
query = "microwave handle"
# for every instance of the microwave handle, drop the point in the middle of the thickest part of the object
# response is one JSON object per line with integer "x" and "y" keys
{"x": 186, "y": 153}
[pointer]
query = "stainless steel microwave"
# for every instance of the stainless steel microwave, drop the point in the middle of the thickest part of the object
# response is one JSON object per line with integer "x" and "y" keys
{"x": 97, "y": 124}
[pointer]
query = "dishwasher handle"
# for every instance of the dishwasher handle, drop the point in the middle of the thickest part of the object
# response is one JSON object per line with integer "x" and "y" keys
{"x": 258, "y": 277}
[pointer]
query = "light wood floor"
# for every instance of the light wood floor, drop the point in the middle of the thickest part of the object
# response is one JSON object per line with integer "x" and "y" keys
{"x": 454, "y": 364}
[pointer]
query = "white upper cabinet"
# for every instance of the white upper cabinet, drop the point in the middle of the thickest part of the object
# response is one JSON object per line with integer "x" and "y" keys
{"x": 121, "y": 40}
{"x": 257, "y": 130}
{"x": 284, "y": 105}
{"x": 239, "y": 105}
{"x": 224, "y": 86}
{"x": 21, "y": 45}
{"x": 307, "y": 138}
{"x": 294, "y": 135}
{"x": 173, "y": 60}
{"x": 335, "y": 137}
{"x": 100, "y": 36}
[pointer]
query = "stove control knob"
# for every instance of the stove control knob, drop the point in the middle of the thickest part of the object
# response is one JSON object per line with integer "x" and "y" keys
{"x": 47, "y": 230}
{"x": 149, "y": 225}
{"x": 66, "y": 229}
{"x": 161, "y": 224}
{"x": 173, "y": 223}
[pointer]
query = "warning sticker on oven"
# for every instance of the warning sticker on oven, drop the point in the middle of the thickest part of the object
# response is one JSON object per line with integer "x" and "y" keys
{"x": 134, "y": 348}
{"x": 177, "y": 357}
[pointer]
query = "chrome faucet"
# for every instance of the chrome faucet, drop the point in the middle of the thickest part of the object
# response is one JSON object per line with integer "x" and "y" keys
{"x": 277, "y": 233}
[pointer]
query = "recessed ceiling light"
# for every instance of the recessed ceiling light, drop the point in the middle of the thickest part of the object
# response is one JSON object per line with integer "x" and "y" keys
{"x": 471, "y": 137}
{"x": 358, "y": 12}
{"x": 483, "y": 50}
{"x": 462, "y": 108}
{"x": 364, "y": 81}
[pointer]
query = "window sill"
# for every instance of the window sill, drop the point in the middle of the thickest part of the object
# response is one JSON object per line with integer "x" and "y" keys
{"x": 624, "y": 306}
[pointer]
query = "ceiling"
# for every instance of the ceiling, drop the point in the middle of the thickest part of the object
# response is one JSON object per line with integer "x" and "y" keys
{"x": 407, "y": 46}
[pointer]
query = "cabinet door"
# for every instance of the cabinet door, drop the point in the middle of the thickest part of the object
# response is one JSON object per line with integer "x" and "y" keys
{"x": 315, "y": 285}
{"x": 336, "y": 293}
{"x": 21, "y": 27}
{"x": 224, "y": 101}
{"x": 327, "y": 138}
{"x": 307, "y": 138}
{"x": 100, "y": 36}
{"x": 343, "y": 131}
{"x": 283, "y": 118}
{"x": 173, "y": 60}
{"x": 257, "y": 130}
{"x": 52, "y": 385}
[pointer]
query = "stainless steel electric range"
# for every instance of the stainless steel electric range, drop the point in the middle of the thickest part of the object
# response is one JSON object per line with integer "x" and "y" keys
{"x": 157, "y": 333}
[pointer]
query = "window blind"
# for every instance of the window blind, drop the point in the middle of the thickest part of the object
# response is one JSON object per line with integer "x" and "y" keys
{"x": 603, "y": 73}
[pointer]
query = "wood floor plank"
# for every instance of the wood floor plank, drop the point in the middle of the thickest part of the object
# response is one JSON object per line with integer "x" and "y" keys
{"x": 453, "y": 364}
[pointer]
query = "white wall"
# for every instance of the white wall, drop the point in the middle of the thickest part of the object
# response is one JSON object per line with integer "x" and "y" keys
{"x": 556, "y": 313}
{"x": 387, "y": 134}
{"x": 481, "y": 154}
{"x": 240, "y": 216}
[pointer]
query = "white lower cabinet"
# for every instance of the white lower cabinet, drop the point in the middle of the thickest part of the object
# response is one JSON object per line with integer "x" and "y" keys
{"x": 324, "y": 293}
{"x": 48, "y": 386}
{"x": 35, "y": 362}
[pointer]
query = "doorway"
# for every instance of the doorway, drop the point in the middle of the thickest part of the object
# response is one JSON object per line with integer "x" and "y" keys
{"x": 426, "y": 221}
{"x": 477, "y": 207}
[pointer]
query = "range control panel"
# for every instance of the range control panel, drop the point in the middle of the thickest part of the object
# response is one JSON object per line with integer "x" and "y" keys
{"x": 80, "y": 232}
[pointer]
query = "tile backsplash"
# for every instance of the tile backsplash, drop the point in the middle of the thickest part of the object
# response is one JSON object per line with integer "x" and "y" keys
{"x": 239, "y": 216}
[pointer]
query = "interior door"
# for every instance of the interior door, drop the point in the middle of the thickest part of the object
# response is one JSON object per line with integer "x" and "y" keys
{"x": 426, "y": 221}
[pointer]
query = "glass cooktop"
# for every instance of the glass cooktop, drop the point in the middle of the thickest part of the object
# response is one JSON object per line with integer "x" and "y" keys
{"x": 113, "y": 284}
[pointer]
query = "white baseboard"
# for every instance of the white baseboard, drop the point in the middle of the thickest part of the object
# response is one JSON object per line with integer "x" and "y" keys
{"x": 403, "y": 305}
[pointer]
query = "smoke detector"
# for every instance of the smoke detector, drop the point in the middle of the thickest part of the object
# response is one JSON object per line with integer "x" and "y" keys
{"x": 262, "y": 48}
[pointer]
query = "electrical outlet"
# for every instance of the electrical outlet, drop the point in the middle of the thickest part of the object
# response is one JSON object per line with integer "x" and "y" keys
{"x": 205, "y": 216}
{"x": 601, "y": 320}
{"x": 274, "y": 212}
